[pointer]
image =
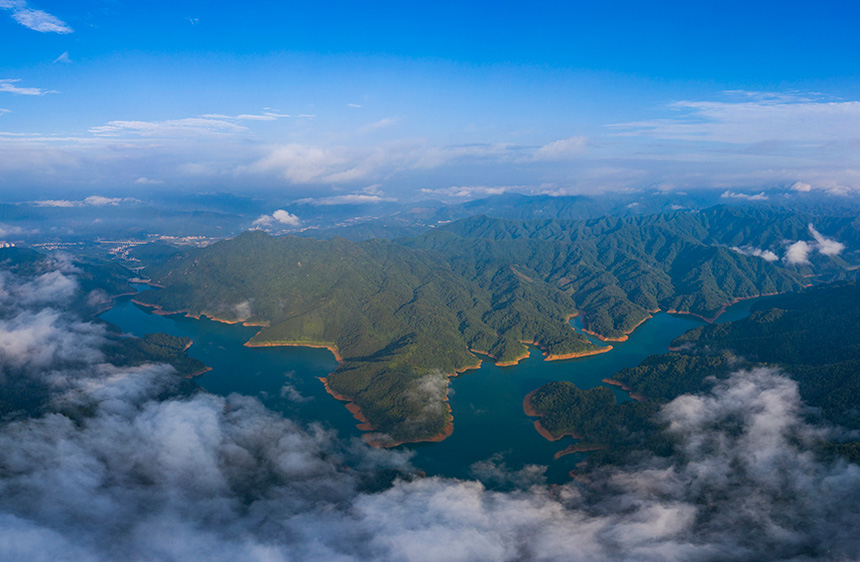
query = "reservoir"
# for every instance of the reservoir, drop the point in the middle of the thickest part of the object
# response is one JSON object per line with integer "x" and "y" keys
{"x": 490, "y": 429}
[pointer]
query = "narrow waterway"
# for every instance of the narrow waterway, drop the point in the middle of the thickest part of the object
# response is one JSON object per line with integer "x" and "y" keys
{"x": 489, "y": 423}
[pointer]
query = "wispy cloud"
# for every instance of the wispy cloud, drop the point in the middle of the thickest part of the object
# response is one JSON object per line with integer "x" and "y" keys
{"x": 9, "y": 85}
{"x": 91, "y": 201}
{"x": 766, "y": 255}
{"x": 746, "y": 196}
{"x": 798, "y": 252}
{"x": 191, "y": 126}
{"x": 376, "y": 125}
{"x": 147, "y": 181}
{"x": 37, "y": 20}
{"x": 301, "y": 163}
{"x": 350, "y": 199}
{"x": 753, "y": 117}
{"x": 265, "y": 116}
{"x": 827, "y": 246}
{"x": 561, "y": 149}
{"x": 64, "y": 58}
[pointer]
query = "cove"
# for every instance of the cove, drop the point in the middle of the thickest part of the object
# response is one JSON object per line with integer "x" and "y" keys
{"x": 490, "y": 429}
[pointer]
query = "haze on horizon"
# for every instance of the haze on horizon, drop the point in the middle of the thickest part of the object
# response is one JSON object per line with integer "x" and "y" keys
{"x": 395, "y": 102}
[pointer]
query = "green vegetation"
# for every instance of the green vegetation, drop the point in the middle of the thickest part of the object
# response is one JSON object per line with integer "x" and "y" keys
{"x": 76, "y": 290}
{"x": 397, "y": 316}
{"x": 400, "y": 312}
{"x": 812, "y": 336}
{"x": 98, "y": 281}
{"x": 155, "y": 348}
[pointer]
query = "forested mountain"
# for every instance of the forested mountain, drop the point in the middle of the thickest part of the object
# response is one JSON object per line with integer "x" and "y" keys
{"x": 399, "y": 318}
{"x": 403, "y": 314}
{"x": 812, "y": 336}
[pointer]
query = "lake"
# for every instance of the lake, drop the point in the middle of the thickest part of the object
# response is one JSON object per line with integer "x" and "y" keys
{"x": 489, "y": 423}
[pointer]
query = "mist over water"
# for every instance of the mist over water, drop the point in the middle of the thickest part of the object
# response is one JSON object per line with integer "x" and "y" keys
{"x": 490, "y": 428}
{"x": 207, "y": 477}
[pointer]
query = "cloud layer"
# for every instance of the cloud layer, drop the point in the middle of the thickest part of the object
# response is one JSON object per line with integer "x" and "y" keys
{"x": 135, "y": 476}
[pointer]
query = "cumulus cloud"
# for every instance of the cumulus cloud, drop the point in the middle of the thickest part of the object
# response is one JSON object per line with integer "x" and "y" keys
{"x": 278, "y": 217}
{"x": 766, "y": 255}
{"x": 37, "y": 20}
{"x": 747, "y": 196}
{"x": 798, "y": 253}
{"x": 801, "y": 186}
{"x": 824, "y": 245}
{"x": 10, "y": 85}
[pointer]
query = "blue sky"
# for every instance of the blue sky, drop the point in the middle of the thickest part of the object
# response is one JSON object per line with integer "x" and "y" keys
{"x": 411, "y": 99}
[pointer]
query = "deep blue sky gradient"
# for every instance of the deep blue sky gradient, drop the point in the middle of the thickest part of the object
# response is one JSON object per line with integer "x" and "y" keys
{"x": 436, "y": 74}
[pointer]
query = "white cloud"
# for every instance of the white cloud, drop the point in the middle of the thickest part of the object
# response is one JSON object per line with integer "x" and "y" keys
{"x": 300, "y": 163}
{"x": 99, "y": 201}
{"x": 766, "y": 255}
{"x": 266, "y": 116}
{"x": 280, "y": 216}
{"x": 2, "y": 111}
{"x": 798, "y": 253}
{"x": 754, "y": 118}
{"x": 824, "y": 245}
{"x": 801, "y": 186}
{"x": 56, "y": 203}
{"x": 64, "y": 58}
{"x": 754, "y": 197}
{"x": 92, "y": 201}
{"x": 147, "y": 181}
{"x": 469, "y": 191}
{"x": 561, "y": 149}
{"x": 353, "y": 105}
{"x": 188, "y": 127}
{"x": 37, "y": 20}
{"x": 351, "y": 199}
{"x": 8, "y": 85}
{"x": 376, "y": 125}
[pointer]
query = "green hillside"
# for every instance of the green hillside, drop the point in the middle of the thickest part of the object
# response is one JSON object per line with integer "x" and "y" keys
{"x": 812, "y": 336}
{"x": 401, "y": 319}
{"x": 403, "y": 314}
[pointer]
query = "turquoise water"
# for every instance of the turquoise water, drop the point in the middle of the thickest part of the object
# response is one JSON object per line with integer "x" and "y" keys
{"x": 489, "y": 422}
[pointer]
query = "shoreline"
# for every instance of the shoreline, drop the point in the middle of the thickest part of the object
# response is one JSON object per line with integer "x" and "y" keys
{"x": 720, "y": 312}
{"x": 575, "y": 355}
{"x": 316, "y": 345}
{"x": 158, "y": 310}
{"x": 634, "y": 395}
{"x": 198, "y": 373}
{"x": 539, "y": 427}
{"x": 580, "y": 448}
{"x": 626, "y": 333}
